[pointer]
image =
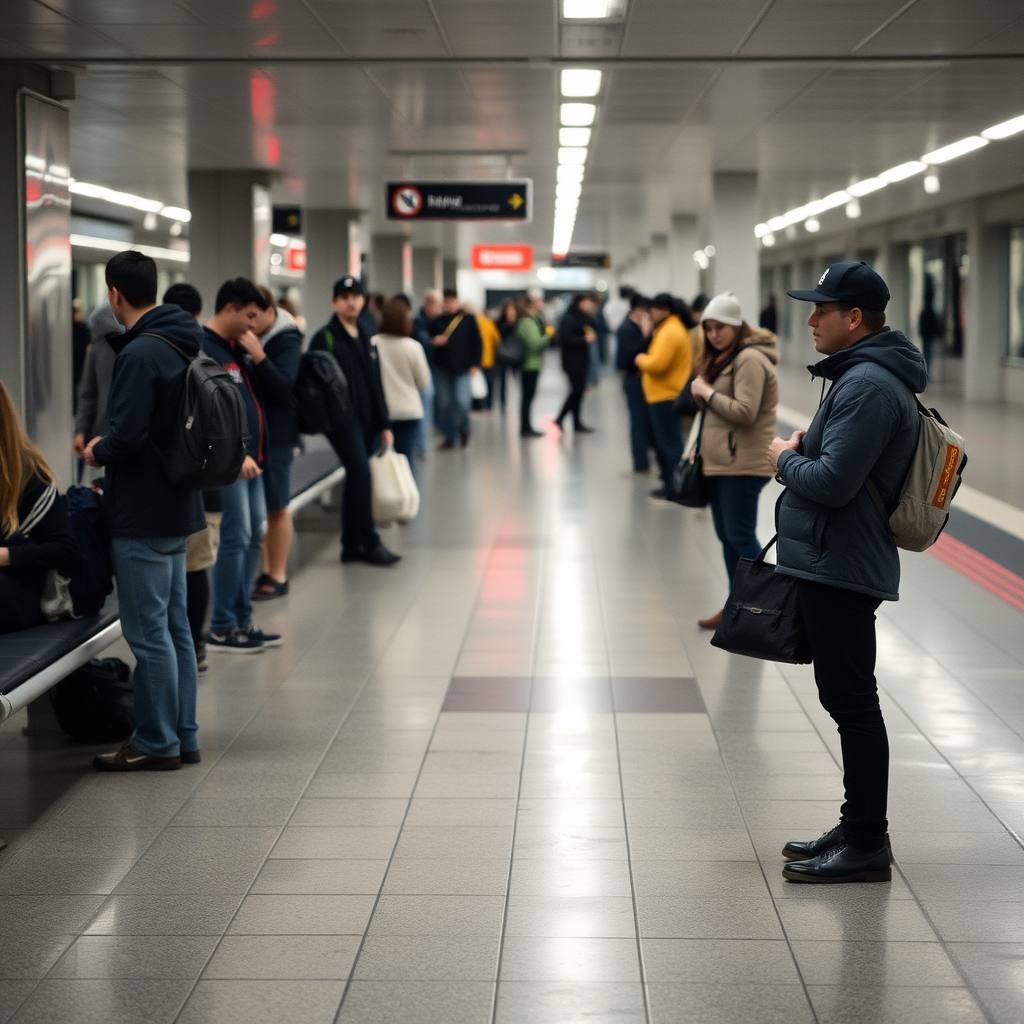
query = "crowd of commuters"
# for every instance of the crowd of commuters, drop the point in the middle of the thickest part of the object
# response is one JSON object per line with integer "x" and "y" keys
{"x": 702, "y": 366}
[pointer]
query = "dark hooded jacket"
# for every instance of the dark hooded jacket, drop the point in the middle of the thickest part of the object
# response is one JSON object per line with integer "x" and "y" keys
{"x": 283, "y": 346}
{"x": 144, "y": 398}
{"x": 866, "y": 427}
{"x": 465, "y": 346}
{"x": 573, "y": 332}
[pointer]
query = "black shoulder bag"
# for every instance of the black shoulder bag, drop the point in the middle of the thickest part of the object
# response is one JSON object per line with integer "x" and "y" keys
{"x": 689, "y": 486}
{"x": 762, "y": 617}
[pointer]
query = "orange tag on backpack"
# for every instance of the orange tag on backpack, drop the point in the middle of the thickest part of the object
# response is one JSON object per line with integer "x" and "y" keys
{"x": 948, "y": 469}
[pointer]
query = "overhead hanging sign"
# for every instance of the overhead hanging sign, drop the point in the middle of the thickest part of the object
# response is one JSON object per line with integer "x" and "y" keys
{"x": 501, "y": 257}
{"x": 592, "y": 260}
{"x": 459, "y": 200}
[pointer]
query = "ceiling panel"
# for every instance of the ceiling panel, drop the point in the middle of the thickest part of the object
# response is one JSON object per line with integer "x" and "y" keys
{"x": 695, "y": 28}
{"x": 948, "y": 26}
{"x": 818, "y": 27}
{"x": 660, "y": 95}
{"x": 525, "y": 28}
{"x": 402, "y": 28}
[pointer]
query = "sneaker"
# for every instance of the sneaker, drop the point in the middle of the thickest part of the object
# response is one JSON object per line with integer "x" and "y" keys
{"x": 660, "y": 494}
{"x": 264, "y": 639}
{"x": 235, "y": 641}
{"x": 128, "y": 759}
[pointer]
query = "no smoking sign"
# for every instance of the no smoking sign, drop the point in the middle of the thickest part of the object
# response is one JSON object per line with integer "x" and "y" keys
{"x": 407, "y": 201}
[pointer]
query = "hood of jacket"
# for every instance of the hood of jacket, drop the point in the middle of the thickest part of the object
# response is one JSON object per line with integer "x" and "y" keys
{"x": 168, "y": 321}
{"x": 284, "y": 322}
{"x": 887, "y": 348}
{"x": 764, "y": 342}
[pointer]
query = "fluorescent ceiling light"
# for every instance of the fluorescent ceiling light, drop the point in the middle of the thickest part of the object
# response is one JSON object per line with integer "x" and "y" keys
{"x": 830, "y": 202}
{"x": 903, "y": 171}
{"x": 110, "y": 195}
{"x": 176, "y": 213}
{"x": 574, "y": 136}
{"x": 112, "y": 245}
{"x": 865, "y": 187}
{"x": 566, "y": 172}
{"x": 578, "y": 115}
{"x": 585, "y": 9}
{"x": 581, "y": 82}
{"x": 572, "y": 156}
{"x": 760, "y": 230}
{"x": 777, "y": 223}
{"x": 1005, "y": 129}
{"x": 959, "y": 148}
{"x": 568, "y": 190}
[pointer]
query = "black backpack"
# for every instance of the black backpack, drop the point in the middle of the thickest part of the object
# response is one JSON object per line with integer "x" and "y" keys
{"x": 207, "y": 448}
{"x": 93, "y": 578}
{"x": 321, "y": 398}
{"x": 96, "y": 703}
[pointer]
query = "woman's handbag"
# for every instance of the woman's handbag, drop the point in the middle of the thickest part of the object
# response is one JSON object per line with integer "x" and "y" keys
{"x": 762, "y": 616}
{"x": 689, "y": 486}
{"x": 512, "y": 351}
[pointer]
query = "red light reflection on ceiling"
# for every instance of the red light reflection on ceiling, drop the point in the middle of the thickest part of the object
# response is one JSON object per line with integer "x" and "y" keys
{"x": 266, "y": 144}
{"x": 262, "y": 9}
{"x": 269, "y": 40}
{"x": 273, "y": 150}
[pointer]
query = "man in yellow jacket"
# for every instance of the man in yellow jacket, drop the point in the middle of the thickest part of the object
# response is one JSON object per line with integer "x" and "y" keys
{"x": 664, "y": 369}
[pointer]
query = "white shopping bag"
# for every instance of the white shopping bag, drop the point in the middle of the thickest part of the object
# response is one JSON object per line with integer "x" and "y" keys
{"x": 387, "y": 484}
{"x": 478, "y": 386}
{"x": 411, "y": 505}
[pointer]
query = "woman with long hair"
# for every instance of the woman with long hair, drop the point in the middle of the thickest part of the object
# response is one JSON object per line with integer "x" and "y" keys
{"x": 576, "y": 333}
{"x": 738, "y": 391}
{"x": 35, "y": 536}
{"x": 508, "y": 322}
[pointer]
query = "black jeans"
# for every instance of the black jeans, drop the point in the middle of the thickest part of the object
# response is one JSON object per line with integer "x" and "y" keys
{"x": 841, "y": 628}
{"x": 529, "y": 380}
{"x": 573, "y": 404}
{"x": 353, "y": 446}
{"x": 641, "y": 439}
{"x": 667, "y": 432}
{"x": 197, "y": 603}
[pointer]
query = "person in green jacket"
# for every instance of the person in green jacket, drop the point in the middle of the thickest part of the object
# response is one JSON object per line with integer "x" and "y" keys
{"x": 530, "y": 329}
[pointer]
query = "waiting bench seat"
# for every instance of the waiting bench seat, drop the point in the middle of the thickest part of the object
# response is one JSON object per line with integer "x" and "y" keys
{"x": 34, "y": 660}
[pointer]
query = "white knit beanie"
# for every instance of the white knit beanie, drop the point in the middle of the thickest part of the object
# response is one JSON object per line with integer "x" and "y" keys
{"x": 724, "y": 308}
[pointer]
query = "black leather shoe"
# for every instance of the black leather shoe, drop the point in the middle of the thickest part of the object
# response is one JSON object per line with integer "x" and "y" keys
{"x": 380, "y": 555}
{"x": 582, "y": 429}
{"x": 842, "y": 863}
{"x": 805, "y": 850}
{"x": 530, "y": 432}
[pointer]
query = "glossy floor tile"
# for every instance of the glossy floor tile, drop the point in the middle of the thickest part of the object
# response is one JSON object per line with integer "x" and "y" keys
{"x": 510, "y": 782}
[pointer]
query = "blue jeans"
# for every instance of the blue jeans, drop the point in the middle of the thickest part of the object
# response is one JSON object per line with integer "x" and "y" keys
{"x": 667, "y": 432}
{"x": 454, "y": 399}
{"x": 150, "y": 576}
{"x": 406, "y": 433}
{"x": 238, "y": 558}
{"x": 426, "y": 431}
{"x": 734, "y": 511}
{"x": 641, "y": 440}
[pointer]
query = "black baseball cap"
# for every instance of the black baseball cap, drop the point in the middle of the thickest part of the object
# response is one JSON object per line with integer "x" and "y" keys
{"x": 851, "y": 283}
{"x": 348, "y": 286}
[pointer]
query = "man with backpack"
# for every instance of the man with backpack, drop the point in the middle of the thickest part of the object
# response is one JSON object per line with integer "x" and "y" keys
{"x": 229, "y": 339}
{"x": 150, "y": 517}
{"x": 836, "y": 540}
{"x": 367, "y": 431}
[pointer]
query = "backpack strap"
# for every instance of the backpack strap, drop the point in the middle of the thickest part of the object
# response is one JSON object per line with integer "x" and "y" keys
{"x": 167, "y": 341}
{"x": 329, "y": 339}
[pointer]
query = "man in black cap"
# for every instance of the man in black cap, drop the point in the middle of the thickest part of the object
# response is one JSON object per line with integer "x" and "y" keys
{"x": 344, "y": 338}
{"x": 834, "y": 538}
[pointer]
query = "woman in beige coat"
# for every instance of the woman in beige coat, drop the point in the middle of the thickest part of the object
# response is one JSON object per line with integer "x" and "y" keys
{"x": 738, "y": 391}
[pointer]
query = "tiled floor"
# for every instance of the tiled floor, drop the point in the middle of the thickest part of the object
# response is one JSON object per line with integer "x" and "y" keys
{"x": 510, "y": 781}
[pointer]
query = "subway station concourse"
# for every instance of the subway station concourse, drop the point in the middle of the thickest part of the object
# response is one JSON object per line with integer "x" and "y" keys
{"x": 508, "y": 780}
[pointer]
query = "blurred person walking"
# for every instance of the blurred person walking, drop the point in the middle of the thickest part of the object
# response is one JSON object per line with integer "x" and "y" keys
{"x": 632, "y": 338}
{"x": 577, "y": 334}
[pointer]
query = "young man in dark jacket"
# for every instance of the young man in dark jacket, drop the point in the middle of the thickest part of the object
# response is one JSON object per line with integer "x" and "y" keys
{"x": 282, "y": 349}
{"x": 228, "y": 337}
{"x": 632, "y": 338}
{"x": 458, "y": 351}
{"x": 345, "y": 339}
{"x": 149, "y": 518}
{"x": 834, "y": 540}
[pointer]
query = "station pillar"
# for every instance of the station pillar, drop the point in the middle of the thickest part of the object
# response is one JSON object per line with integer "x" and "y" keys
{"x": 390, "y": 265}
{"x": 229, "y": 234}
{"x": 333, "y": 249}
{"x": 988, "y": 309}
{"x": 426, "y": 270}
{"x": 734, "y": 267}
{"x": 683, "y": 242}
{"x": 450, "y": 274}
{"x": 659, "y": 269}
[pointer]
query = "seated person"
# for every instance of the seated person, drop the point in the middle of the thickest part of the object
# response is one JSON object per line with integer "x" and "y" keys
{"x": 35, "y": 536}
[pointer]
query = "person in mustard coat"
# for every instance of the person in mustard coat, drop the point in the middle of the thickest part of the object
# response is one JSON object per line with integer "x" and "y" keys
{"x": 664, "y": 369}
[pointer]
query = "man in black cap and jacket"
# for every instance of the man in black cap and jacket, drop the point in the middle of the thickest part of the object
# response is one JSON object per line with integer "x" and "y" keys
{"x": 837, "y": 544}
{"x": 369, "y": 431}
{"x": 149, "y": 518}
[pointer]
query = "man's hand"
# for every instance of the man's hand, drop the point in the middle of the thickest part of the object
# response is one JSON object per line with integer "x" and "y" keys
{"x": 387, "y": 439}
{"x": 438, "y": 340}
{"x": 701, "y": 389}
{"x": 89, "y": 454}
{"x": 78, "y": 444}
{"x": 778, "y": 446}
{"x": 253, "y": 346}
{"x": 250, "y": 469}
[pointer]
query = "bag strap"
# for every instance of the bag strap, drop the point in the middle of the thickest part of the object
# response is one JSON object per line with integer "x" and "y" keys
{"x": 700, "y": 433}
{"x": 455, "y": 321}
{"x": 167, "y": 341}
{"x": 764, "y": 551}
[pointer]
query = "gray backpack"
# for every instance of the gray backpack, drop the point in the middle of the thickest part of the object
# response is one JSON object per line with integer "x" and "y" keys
{"x": 933, "y": 477}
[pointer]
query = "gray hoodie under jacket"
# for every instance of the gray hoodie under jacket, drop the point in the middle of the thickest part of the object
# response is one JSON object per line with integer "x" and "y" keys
{"x": 867, "y": 426}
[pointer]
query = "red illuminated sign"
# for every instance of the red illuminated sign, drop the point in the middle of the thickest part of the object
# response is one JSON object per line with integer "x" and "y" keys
{"x": 296, "y": 259}
{"x": 501, "y": 257}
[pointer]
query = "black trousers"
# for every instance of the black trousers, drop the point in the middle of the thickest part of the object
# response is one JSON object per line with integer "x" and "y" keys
{"x": 197, "y": 602}
{"x": 841, "y": 627}
{"x": 20, "y": 594}
{"x": 353, "y": 447}
{"x": 529, "y": 384}
{"x": 574, "y": 400}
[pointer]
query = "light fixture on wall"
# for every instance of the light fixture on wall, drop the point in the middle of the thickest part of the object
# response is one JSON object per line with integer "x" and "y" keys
{"x": 813, "y": 225}
{"x": 853, "y": 209}
{"x": 932, "y": 183}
